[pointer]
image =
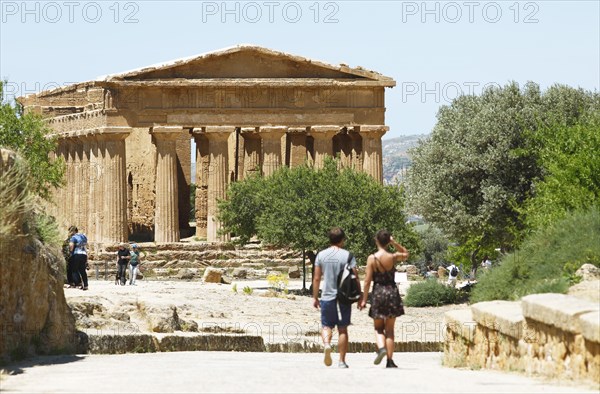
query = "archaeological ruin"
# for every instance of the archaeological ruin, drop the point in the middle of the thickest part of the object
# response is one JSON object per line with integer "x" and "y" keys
{"x": 126, "y": 138}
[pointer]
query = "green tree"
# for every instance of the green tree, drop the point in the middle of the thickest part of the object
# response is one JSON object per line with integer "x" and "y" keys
{"x": 28, "y": 135}
{"x": 466, "y": 178}
{"x": 434, "y": 246}
{"x": 296, "y": 207}
{"x": 569, "y": 157}
{"x": 473, "y": 175}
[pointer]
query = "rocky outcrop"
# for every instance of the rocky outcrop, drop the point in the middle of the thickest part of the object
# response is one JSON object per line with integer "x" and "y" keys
{"x": 588, "y": 272}
{"x": 167, "y": 320}
{"x": 212, "y": 275}
{"x": 34, "y": 316}
{"x": 294, "y": 272}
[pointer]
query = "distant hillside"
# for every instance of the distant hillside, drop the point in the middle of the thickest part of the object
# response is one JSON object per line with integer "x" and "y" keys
{"x": 396, "y": 160}
{"x": 395, "y": 157}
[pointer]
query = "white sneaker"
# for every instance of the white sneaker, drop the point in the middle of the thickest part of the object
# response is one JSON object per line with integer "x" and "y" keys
{"x": 327, "y": 356}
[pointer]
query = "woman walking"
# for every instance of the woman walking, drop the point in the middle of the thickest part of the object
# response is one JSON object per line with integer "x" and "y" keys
{"x": 386, "y": 303}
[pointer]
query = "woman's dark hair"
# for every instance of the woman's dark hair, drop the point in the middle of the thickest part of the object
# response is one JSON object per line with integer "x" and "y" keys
{"x": 336, "y": 235}
{"x": 383, "y": 237}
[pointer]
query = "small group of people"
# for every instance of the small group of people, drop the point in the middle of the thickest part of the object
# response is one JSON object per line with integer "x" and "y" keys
{"x": 75, "y": 253}
{"x": 386, "y": 303}
{"x": 127, "y": 257}
{"x": 76, "y": 258}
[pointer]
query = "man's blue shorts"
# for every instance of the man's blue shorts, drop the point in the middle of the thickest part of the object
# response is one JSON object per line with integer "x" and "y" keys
{"x": 330, "y": 316}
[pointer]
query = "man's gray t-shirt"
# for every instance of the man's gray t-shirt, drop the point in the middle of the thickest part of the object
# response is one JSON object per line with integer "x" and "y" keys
{"x": 332, "y": 261}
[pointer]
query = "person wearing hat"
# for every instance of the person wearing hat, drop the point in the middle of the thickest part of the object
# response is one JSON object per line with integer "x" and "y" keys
{"x": 123, "y": 257}
{"x": 134, "y": 262}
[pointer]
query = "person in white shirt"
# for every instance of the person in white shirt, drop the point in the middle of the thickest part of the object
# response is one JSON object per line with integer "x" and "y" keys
{"x": 452, "y": 274}
{"x": 486, "y": 263}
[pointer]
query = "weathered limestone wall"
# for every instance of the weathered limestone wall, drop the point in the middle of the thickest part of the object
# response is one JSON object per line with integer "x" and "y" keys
{"x": 34, "y": 316}
{"x": 68, "y": 100}
{"x": 552, "y": 335}
{"x": 141, "y": 177}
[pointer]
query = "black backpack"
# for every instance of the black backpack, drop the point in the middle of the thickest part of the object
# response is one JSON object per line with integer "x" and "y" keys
{"x": 454, "y": 271}
{"x": 348, "y": 291}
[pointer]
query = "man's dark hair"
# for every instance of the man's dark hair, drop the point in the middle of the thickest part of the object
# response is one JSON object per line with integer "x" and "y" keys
{"x": 73, "y": 229}
{"x": 336, "y": 235}
{"x": 383, "y": 237}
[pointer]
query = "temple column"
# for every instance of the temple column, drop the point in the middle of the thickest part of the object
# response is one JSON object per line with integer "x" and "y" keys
{"x": 356, "y": 142}
{"x": 372, "y": 150}
{"x": 202, "y": 167}
{"x": 166, "y": 212}
{"x": 77, "y": 184}
{"x": 323, "y": 142}
{"x": 60, "y": 191}
{"x": 271, "y": 138}
{"x": 252, "y": 151}
{"x": 70, "y": 182}
{"x": 85, "y": 183}
{"x": 217, "y": 178}
{"x": 297, "y": 141}
{"x": 114, "y": 184}
{"x": 94, "y": 192}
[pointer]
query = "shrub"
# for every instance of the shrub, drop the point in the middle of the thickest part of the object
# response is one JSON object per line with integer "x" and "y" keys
{"x": 278, "y": 281}
{"x": 546, "y": 261}
{"x": 248, "y": 290}
{"x": 430, "y": 293}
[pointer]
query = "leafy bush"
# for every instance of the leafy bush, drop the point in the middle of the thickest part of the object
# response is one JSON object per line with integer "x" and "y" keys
{"x": 296, "y": 207}
{"x": 278, "y": 281}
{"x": 16, "y": 201}
{"x": 26, "y": 133}
{"x": 546, "y": 261}
{"x": 430, "y": 293}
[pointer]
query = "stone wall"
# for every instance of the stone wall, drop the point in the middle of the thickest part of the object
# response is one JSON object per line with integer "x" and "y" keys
{"x": 34, "y": 316}
{"x": 552, "y": 335}
{"x": 141, "y": 175}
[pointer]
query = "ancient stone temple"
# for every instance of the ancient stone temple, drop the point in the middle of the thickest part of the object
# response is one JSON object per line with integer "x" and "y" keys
{"x": 126, "y": 138}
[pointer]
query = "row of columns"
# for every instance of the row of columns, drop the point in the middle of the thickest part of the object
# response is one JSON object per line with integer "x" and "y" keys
{"x": 94, "y": 197}
{"x": 262, "y": 153}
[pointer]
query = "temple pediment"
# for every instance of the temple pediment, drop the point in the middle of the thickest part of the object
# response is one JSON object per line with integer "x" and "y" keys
{"x": 249, "y": 62}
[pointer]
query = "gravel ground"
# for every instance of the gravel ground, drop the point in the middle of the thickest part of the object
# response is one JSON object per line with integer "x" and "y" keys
{"x": 217, "y": 308}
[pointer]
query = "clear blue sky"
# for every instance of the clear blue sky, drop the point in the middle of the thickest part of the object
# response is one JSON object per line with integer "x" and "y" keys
{"x": 432, "y": 49}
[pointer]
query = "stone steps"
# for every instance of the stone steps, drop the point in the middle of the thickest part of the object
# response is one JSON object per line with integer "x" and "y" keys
{"x": 169, "y": 260}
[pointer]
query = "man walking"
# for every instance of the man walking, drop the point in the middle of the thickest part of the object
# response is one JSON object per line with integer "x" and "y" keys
{"x": 329, "y": 263}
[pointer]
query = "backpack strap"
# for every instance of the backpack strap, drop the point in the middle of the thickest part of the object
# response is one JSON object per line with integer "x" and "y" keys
{"x": 350, "y": 257}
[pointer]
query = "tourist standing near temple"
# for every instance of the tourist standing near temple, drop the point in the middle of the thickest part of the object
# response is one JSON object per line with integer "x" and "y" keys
{"x": 134, "y": 262}
{"x": 329, "y": 263}
{"x": 78, "y": 249}
{"x": 386, "y": 303}
{"x": 123, "y": 257}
